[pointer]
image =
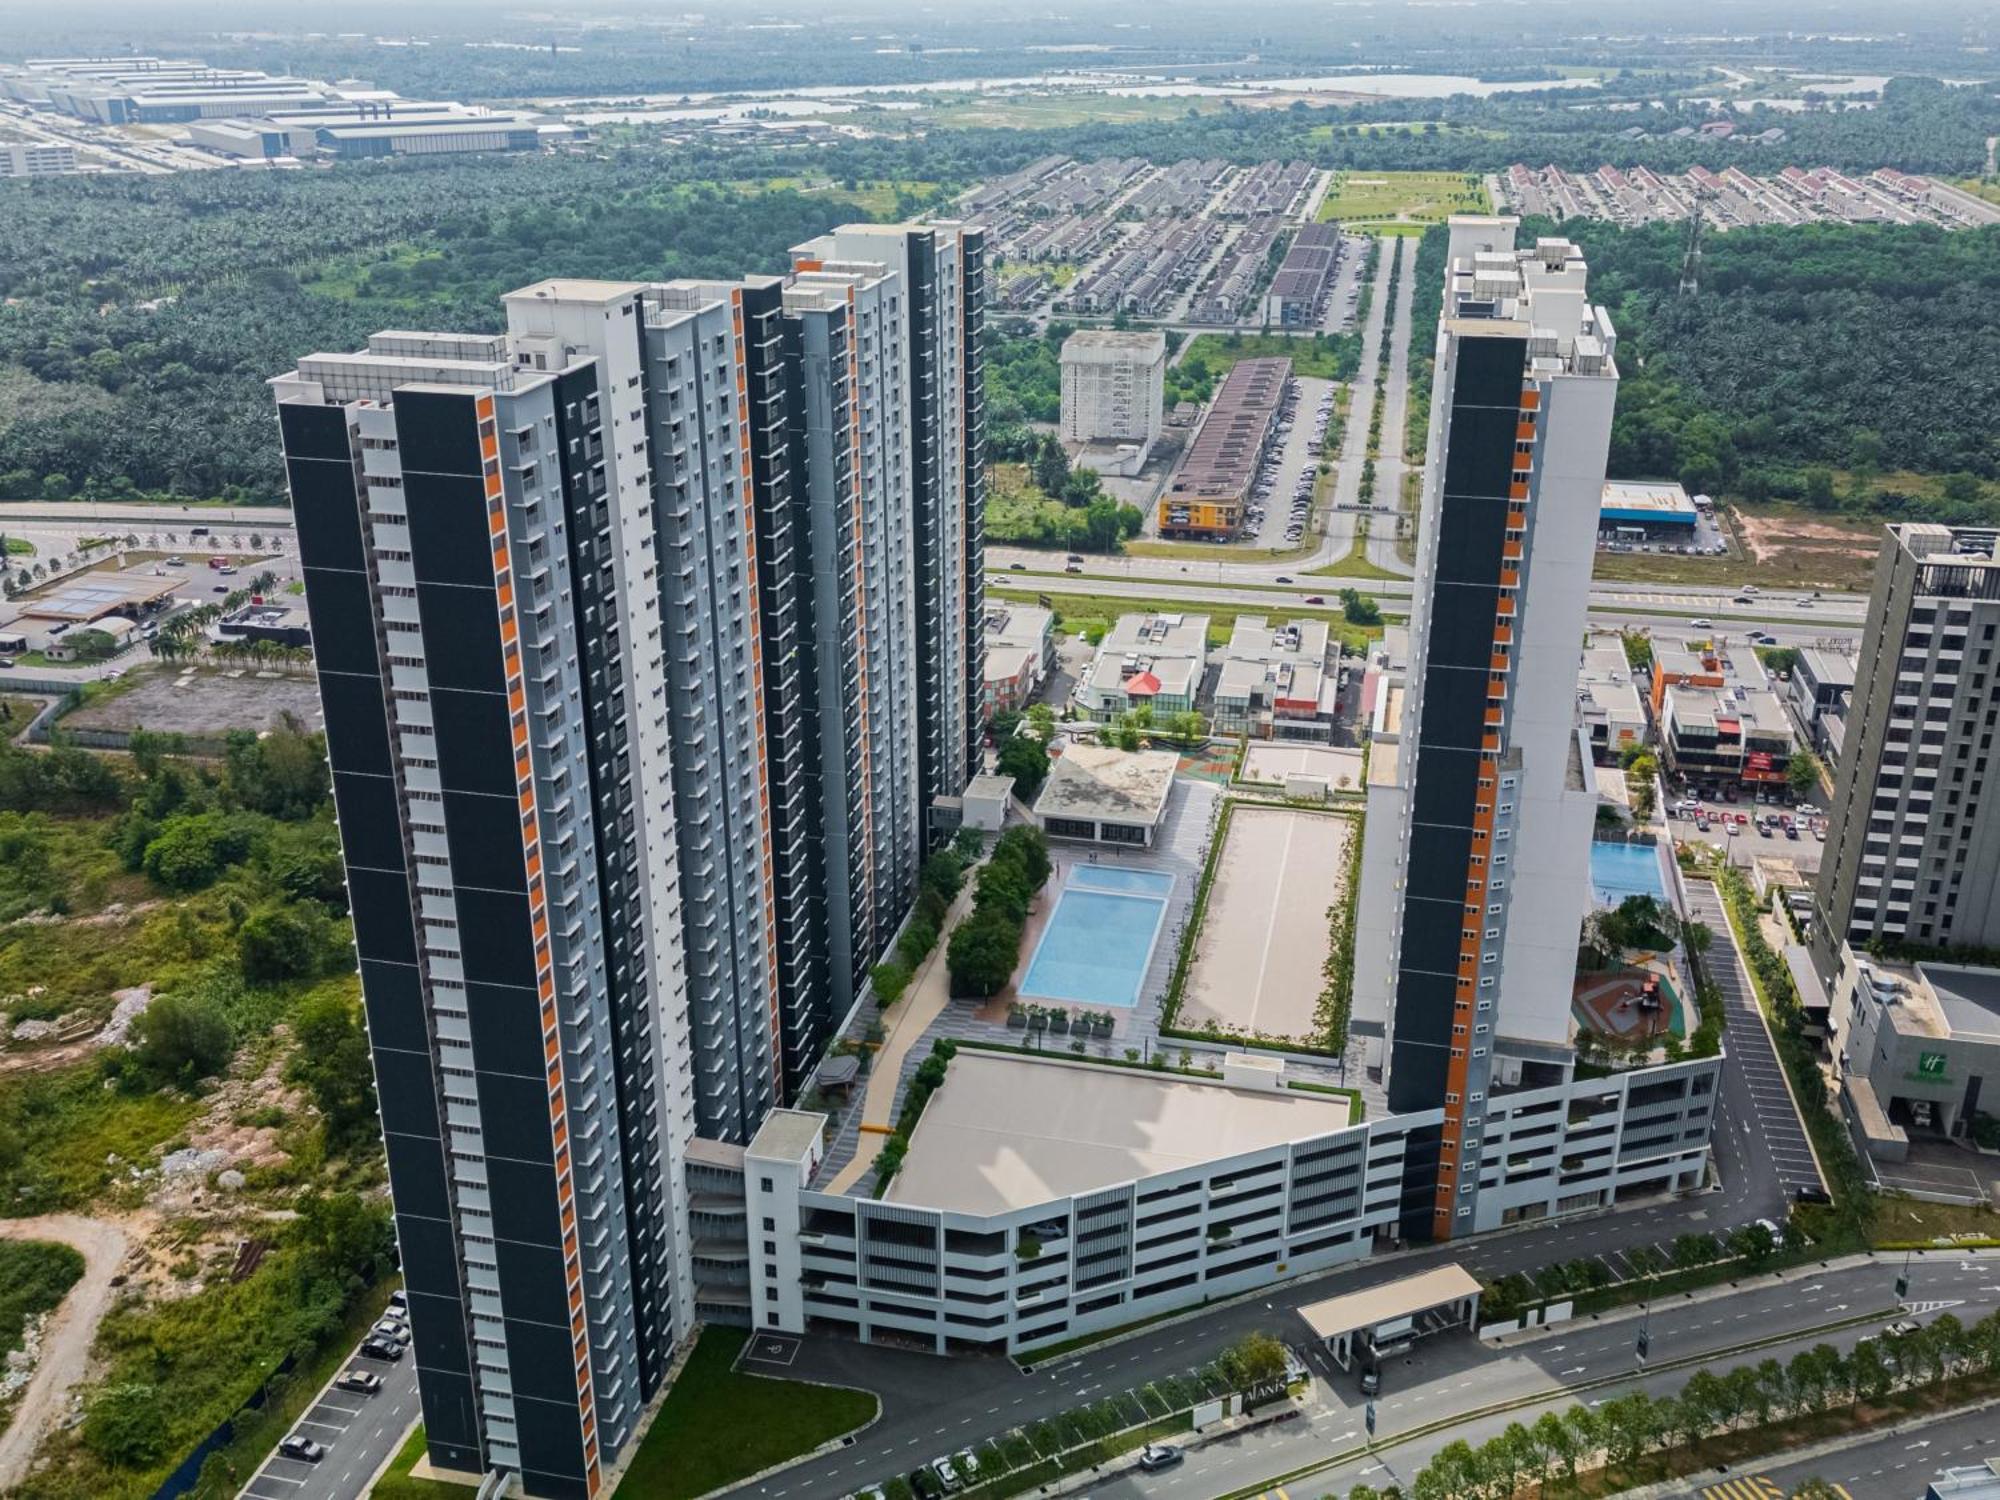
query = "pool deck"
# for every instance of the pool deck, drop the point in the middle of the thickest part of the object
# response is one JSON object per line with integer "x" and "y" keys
{"x": 1180, "y": 849}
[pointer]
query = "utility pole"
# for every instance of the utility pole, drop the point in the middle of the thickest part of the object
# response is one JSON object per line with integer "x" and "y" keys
{"x": 1691, "y": 261}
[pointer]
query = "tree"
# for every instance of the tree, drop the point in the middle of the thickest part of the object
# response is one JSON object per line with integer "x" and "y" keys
{"x": 343, "y": 1232}
{"x": 1358, "y": 609}
{"x": 983, "y": 951}
{"x": 1187, "y": 729}
{"x": 182, "y": 1039}
{"x": 331, "y": 1062}
{"x": 283, "y": 940}
{"x": 1631, "y": 1423}
{"x": 1691, "y": 1250}
{"x": 90, "y": 645}
{"x": 1559, "y": 1441}
{"x": 1752, "y": 1243}
{"x": 1026, "y": 759}
{"x": 1253, "y": 1360}
{"x": 1802, "y": 773}
{"x": 890, "y": 980}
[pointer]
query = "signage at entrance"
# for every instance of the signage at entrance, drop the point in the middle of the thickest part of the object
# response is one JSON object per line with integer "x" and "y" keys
{"x": 1930, "y": 1067}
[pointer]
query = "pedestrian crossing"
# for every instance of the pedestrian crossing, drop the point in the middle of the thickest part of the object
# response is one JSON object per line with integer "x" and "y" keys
{"x": 1760, "y": 1487}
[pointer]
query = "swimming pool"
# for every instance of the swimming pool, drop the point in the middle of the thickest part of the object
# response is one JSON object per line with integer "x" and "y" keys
{"x": 1618, "y": 870}
{"x": 1099, "y": 938}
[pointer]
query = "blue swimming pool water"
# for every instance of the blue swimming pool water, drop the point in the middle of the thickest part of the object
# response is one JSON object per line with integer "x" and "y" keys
{"x": 1113, "y": 878}
{"x": 1097, "y": 943}
{"x": 1620, "y": 870}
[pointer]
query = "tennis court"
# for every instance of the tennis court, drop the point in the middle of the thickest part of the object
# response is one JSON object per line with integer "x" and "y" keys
{"x": 1264, "y": 936}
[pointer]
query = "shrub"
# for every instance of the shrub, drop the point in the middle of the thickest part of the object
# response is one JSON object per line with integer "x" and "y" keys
{"x": 181, "y": 1039}
{"x": 890, "y": 979}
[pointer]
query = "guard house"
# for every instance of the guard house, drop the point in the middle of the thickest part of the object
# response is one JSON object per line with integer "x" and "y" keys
{"x": 1386, "y": 1319}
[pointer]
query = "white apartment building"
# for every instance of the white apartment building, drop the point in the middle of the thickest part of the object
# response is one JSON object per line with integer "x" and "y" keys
{"x": 1113, "y": 394}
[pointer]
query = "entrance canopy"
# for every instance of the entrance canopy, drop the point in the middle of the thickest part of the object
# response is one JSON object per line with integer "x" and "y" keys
{"x": 1404, "y": 1299}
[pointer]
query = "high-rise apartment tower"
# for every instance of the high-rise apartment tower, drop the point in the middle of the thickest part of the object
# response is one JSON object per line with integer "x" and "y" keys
{"x": 644, "y": 649}
{"x": 1913, "y": 843}
{"x": 1476, "y": 865}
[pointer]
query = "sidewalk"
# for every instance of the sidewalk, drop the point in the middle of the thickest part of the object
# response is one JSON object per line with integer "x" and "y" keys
{"x": 927, "y": 997}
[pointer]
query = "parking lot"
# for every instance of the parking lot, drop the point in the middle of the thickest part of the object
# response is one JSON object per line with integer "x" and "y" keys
{"x": 358, "y": 1431}
{"x": 1281, "y": 496}
{"x": 1746, "y": 828}
{"x": 1781, "y": 1136}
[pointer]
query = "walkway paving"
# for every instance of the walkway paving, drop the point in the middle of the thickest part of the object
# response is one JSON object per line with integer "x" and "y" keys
{"x": 928, "y": 996}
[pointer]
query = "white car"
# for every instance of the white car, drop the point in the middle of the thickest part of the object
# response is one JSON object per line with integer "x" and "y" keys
{"x": 1777, "y": 1234}
{"x": 1700, "y": 624}
{"x": 946, "y": 1474}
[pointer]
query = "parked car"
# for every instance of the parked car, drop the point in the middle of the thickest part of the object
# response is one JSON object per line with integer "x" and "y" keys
{"x": 1157, "y": 1456}
{"x": 946, "y": 1474}
{"x": 304, "y": 1449}
{"x": 361, "y": 1382}
{"x": 925, "y": 1484}
{"x": 968, "y": 1464}
{"x": 383, "y": 1349}
{"x": 392, "y": 1328}
{"x": 1777, "y": 1234}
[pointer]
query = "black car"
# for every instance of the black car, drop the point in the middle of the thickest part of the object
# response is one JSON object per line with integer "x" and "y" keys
{"x": 304, "y": 1449}
{"x": 926, "y": 1485}
{"x": 383, "y": 1349}
{"x": 1157, "y": 1456}
{"x": 361, "y": 1382}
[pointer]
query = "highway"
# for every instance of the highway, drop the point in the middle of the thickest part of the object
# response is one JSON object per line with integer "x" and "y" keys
{"x": 1891, "y": 1467}
{"x": 1592, "y": 1360}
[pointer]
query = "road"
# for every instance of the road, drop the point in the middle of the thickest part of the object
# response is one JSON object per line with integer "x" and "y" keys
{"x": 933, "y": 1406}
{"x": 361, "y": 1433}
{"x": 1389, "y": 465}
{"x": 1891, "y": 1467}
{"x": 1594, "y": 1361}
{"x": 1346, "y": 489}
{"x": 68, "y": 1335}
{"x": 1772, "y": 1118}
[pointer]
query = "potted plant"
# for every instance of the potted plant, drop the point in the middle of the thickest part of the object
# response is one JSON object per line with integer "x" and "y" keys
{"x": 1017, "y": 1019}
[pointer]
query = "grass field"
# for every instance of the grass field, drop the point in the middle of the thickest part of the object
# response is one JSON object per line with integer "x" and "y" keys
{"x": 396, "y": 1483}
{"x": 1355, "y": 564}
{"x": 1408, "y": 200}
{"x": 1220, "y": 552}
{"x": 1321, "y": 356}
{"x": 719, "y": 1426}
{"x": 876, "y": 196}
{"x": 1981, "y": 187}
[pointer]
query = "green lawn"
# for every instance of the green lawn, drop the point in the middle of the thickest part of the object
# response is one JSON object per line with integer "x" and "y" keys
{"x": 1355, "y": 564}
{"x": 1374, "y": 200}
{"x": 719, "y": 1426}
{"x": 1324, "y": 356}
{"x": 396, "y": 1483}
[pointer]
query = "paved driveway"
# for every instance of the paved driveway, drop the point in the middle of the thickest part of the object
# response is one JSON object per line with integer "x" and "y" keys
{"x": 1781, "y": 1135}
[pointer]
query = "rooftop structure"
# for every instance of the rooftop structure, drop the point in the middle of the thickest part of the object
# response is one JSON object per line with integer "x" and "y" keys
{"x": 1206, "y": 495}
{"x": 1735, "y": 733}
{"x": 1020, "y": 641}
{"x": 83, "y": 597}
{"x": 1153, "y": 659}
{"x": 1004, "y": 1133}
{"x": 1275, "y": 683}
{"x": 1097, "y": 785}
{"x": 1652, "y": 509}
{"x": 1609, "y": 698}
{"x": 1300, "y": 285}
